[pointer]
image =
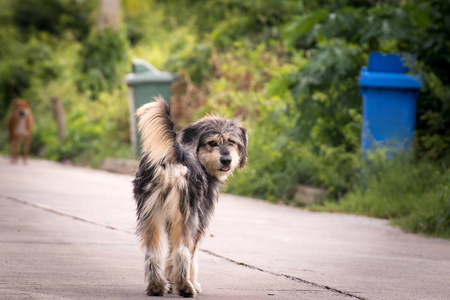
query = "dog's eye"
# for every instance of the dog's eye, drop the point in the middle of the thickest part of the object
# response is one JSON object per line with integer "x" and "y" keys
{"x": 212, "y": 143}
{"x": 231, "y": 142}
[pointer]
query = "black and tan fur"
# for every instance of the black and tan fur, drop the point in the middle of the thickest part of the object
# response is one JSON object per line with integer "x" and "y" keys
{"x": 176, "y": 188}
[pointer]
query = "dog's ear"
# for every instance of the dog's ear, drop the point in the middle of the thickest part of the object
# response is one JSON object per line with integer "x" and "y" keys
{"x": 243, "y": 148}
{"x": 190, "y": 135}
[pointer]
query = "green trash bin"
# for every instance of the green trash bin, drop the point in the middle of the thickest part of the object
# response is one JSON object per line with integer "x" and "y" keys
{"x": 145, "y": 83}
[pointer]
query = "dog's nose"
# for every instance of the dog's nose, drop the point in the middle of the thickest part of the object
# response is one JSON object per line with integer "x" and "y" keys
{"x": 225, "y": 160}
{"x": 22, "y": 113}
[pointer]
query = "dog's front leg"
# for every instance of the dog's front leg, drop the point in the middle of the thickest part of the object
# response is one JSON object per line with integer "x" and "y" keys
{"x": 14, "y": 149}
{"x": 26, "y": 148}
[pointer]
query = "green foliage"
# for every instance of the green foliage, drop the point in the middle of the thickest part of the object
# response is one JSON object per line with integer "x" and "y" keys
{"x": 95, "y": 129}
{"x": 38, "y": 66}
{"x": 227, "y": 21}
{"x": 433, "y": 49}
{"x": 415, "y": 196}
{"x": 327, "y": 96}
{"x": 278, "y": 163}
{"x": 301, "y": 31}
{"x": 140, "y": 19}
{"x": 53, "y": 16}
{"x": 22, "y": 63}
{"x": 196, "y": 63}
{"x": 100, "y": 55}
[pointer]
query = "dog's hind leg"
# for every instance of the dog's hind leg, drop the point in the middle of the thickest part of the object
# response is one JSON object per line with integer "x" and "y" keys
{"x": 154, "y": 264}
{"x": 176, "y": 207}
{"x": 180, "y": 276}
{"x": 169, "y": 267}
{"x": 194, "y": 270}
{"x": 179, "y": 264}
{"x": 153, "y": 237}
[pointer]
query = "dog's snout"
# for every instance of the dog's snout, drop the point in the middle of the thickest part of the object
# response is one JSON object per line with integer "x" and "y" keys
{"x": 22, "y": 113}
{"x": 225, "y": 160}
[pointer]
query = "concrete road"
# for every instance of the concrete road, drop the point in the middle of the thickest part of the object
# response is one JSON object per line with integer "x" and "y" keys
{"x": 68, "y": 232}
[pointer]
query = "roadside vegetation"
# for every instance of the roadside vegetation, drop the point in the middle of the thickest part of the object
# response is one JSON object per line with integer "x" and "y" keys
{"x": 287, "y": 69}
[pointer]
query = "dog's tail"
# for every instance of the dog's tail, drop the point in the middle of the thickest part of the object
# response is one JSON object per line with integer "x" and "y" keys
{"x": 156, "y": 127}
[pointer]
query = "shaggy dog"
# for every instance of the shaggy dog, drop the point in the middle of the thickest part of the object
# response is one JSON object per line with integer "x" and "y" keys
{"x": 20, "y": 127}
{"x": 176, "y": 188}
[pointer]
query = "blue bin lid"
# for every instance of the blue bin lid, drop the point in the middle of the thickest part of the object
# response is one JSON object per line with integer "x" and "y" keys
{"x": 390, "y": 63}
{"x": 389, "y": 80}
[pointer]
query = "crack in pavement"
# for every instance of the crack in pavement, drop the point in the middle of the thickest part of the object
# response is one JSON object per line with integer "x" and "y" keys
{"x": 298, "y": 279}
{"x": 283, "y": 275}
{"x": 64, "y": 214}
{"x": 61, "y": 243}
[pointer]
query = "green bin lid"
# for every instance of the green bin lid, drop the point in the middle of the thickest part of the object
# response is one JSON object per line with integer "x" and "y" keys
{"x": 144, "y": 72}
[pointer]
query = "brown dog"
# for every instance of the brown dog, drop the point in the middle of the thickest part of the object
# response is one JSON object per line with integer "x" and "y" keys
{"x": 20, "y": 127}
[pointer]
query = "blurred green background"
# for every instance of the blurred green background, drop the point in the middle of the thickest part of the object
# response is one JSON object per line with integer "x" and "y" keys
{"x": 287, "y": 69}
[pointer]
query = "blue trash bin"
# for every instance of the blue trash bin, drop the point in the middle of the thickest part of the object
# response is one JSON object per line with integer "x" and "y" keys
{"x": 389, "y": 102}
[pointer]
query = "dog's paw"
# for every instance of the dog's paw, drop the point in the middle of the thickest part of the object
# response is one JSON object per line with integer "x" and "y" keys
{"x": 187, "y": 290}
{"x": 197, "y": 287}
{"x": 169, "y": 288}
{"x": 157, "y": 289}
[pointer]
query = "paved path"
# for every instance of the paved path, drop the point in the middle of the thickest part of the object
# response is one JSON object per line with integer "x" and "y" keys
{"x": 67, "y": 232}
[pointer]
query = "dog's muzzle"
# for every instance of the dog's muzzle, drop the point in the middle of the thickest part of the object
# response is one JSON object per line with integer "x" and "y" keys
{"x": 226, "y": 162}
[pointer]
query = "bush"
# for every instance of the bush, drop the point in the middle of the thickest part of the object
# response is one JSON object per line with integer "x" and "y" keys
{"x": 25, "y": 63}
{"x": 227, "y": 21}
{"x": 99, "y": 58}
{"x": 53, "y": 16}
{"x": 414, "y": 195}
{"x": 195, "y": 62}
{"x": 94, "y": 129}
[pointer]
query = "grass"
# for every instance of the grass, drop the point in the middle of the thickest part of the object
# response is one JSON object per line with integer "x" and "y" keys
{"x": 414, "y": 196}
